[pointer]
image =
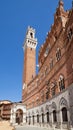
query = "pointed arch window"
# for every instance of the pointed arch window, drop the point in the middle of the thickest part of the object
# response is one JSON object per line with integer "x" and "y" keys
{"x": 51, "y": 63}
{"x": 58, "y": 54}
{"x": 31, "y": 34}
{"x": 53, "y": 89}
{"x": 47, "y": 93}
{"x": 61, "y": 83}
{"x": 42, "y": 96}
{"x": 47, "y": 51}
{"x": 70, "y": 33}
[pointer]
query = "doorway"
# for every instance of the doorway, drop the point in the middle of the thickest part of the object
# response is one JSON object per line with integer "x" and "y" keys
{"x": 19, "y": 116}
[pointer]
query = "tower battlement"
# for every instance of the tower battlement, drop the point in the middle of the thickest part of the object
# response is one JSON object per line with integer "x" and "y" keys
{"x": 30, "y": 40}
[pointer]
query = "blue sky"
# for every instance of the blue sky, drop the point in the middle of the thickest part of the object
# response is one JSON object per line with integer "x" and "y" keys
{"x": 15, "y": 16}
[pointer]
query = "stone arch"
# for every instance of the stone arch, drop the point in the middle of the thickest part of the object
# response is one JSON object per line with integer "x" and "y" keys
{"x": 42, "y": 110}
{"x": 19, "y": 116}
{"x": 37, "y": 111}
{"x": 47, "y": 108}
{"x": 54, "y": 107}
{"x": 64, "y": 109}
{"x": 32, "y": 112}
{"x": 18, "y": 111}
{"x": 63, "y": 103}
{"x": 54, "y": 111}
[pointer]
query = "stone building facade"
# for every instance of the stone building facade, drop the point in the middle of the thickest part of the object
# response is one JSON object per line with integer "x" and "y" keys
{"x": 13, "y": 112}
{"x": 5, "y": 109}
{"x": 48, "y": 95}
{"x": 18, "y": 114}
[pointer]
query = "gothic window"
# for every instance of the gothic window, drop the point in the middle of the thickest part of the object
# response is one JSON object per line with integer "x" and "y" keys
{"x": 47, "y": 51}
{"x": 64, "y": 114}
{"x": 46, "y": 70}
{"x": 47, "y": 83}
{"x": 47, "y": 89}
{"x": 37, "y": 100}
{"x": 53, "y": 89}
{"x": 70, "y": 33}
{"x": 58, "y": 54}
{"x": 61, "y": 83}
{"x": 47, "y": 93}
{"x": 54, "y": 116}
{"x": 42, "y": 96}
{"x": 47, "y": 114}
{"x": 51, "y": 63}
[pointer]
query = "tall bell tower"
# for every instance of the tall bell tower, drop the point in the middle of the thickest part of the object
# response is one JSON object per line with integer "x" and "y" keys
{"x": 29, "y": 47}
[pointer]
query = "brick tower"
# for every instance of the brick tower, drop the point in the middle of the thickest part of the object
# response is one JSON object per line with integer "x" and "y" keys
{"x": 29, "y": 47}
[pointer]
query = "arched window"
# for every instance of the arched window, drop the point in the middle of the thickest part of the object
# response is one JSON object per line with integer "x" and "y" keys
{"x": 47, "y": 51}
{"x": 37, "y": 118}
{"x": 61, "y": 83}
{"x": 42, "y": 118}
{"x": 42, "y": 96}
{"x": 64, "y": 114}
{"x": 70, "y": 33}
{"x": 31, "y": 34}
{"x": 54, "y": 116}
{"x": 53, "y": 89}
{"x": 47, "y": 114}
{"x": 58, "y": 54}
{"x": 51, "y": 63}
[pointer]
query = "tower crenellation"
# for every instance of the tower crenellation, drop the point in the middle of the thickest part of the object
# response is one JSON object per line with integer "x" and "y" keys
{"x": 30, "y": 40}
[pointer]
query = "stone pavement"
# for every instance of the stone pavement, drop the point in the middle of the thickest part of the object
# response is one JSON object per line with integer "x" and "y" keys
{"x": 5, "y": 125}
{"x": 29, "y": 128}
